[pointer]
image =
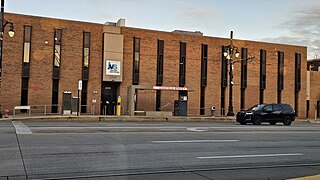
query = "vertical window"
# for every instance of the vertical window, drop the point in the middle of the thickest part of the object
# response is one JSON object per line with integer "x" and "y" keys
{"x": 182, "y": 69}
{"x": 56, "y": 70}
{"x": 204, "y": 64}
{"x": 297, "y": 81}
{"x": 297, "y": 72}
{"x": 224, "y": 80}
{"x": 158, "y": 100}
{"x": 24, "y": 92}
{"x": 263, "y": 74}
{"x": 25, "y": 65}
{"x": 27, "y": 44}
{"x": 55, "y": 94}
{"x": 280, "y": 74}
{"x": 136, "y": 60}
{"x": 85, "y": 70}
{"x": 160, "y": 62}
{"x": 244, "y": 70}
{"x": 86, "y": 49}
{"x": 57, "y": 47}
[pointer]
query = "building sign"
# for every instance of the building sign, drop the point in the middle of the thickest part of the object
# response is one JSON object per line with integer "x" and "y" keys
{"x": 170, "y": 88}
{"x": 113, "y": 68}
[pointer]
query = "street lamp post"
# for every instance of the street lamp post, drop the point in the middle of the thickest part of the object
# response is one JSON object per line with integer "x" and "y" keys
{"x": 228, "y": 53}
{"x": 3, "y": 24}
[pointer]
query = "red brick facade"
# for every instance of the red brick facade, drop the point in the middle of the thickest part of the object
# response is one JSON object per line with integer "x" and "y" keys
{"x": 40, "y": 82}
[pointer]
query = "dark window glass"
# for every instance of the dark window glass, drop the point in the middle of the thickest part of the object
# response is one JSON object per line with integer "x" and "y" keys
{"x": 224, "y": 70}
{"x": 286, "y": 107}
{"x": 55, "y": 95}
{"x": 182, "y": 69}
{"x": 243, "y": 99}
{"x": 160, "y": 62}
{"x": 204, "y": 64}
{"x": 280, "y": 70}
{"x": 261, "y": 96}
{"x": 136, "y": 60}
{"x": 276, "y": 107}
{"x": 158, "y": 100}
{"x": 263, "y": 72}
{"x": 84, "y": 96}
{"x": 223, "y": 94}
{"x": 280, "y": 74}
{"x": 268, "y": 108}
{"x": 86, "y": 49}
{"x": 244, "y": 57}
{"x": 24, "y": 92}
{"x": 297, "y": 72}
{"x": 202, "y": 101}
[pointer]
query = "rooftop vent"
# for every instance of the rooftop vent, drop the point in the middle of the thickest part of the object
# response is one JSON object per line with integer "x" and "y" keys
{"x": 195, "y": 33}
{"x": 121, "y": 23}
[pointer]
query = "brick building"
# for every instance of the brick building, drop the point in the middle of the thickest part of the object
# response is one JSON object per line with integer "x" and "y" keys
{"x": 47, "y": 57}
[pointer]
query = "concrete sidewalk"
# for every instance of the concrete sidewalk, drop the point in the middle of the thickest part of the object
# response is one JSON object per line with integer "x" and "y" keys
{"x": 125, "y": 118}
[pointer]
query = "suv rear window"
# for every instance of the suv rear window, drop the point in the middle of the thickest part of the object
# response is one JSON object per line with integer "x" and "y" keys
{"x": 286, "y": 107}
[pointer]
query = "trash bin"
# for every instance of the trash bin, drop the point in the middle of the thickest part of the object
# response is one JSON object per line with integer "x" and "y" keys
{"x": 213, "y": 111}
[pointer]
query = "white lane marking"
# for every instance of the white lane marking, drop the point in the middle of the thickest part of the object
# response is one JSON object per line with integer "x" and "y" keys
{"x": 21, "y": 128}
{"x": 197, "y": 129}
{"x": 195, "y": 141}
{"x": 250, "y": 156}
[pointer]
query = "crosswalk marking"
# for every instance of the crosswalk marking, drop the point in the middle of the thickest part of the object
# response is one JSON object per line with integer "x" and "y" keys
{"x": 21, "y": 128}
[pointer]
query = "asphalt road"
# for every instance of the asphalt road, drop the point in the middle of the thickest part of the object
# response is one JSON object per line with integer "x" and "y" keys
{"x": 100, "y": 150}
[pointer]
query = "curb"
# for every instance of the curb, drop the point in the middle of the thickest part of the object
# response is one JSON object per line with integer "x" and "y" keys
{"x": 121, "y": 119}
{"x": 88, "y": 118}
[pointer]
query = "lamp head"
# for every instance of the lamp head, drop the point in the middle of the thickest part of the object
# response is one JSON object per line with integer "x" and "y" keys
{"x": 225, "y": 53}
{"x": 237, "y": 53}
{"x": 11, "y": 31}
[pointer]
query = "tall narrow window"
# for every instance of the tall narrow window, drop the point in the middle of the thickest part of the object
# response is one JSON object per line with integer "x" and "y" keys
{"x": 85, "y": 70}
{"x": 26, "y": 65}
{"x": 244, "y": 70}
{"x": 297, "y": 81}
{"x": 160, "y": 53}
{"x": 56, "y": 70}
{"x": 160, "y": 62}
{"x": 136, "y": 60}
{"x": 263, "y": 74}
{"x": 158, "y": 100}
{"x": 280, "y": 74}
{"x": 204, "y": 64}
{"x": 182, "y": 69}
{"x": 27, "y": 44}
{"x": 224, "y": 80}
{"x": 57, "y": 47}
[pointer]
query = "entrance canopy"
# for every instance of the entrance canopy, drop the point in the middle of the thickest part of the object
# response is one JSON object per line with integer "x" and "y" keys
{"x": 132, "y": 89}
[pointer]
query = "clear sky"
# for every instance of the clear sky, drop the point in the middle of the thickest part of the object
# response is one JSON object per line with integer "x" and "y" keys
{"x": 294, "y": 22}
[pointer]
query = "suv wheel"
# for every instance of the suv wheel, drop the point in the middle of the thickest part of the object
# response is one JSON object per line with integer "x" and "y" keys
{"x": 287, "y": 121}
{"x": 257, "y": 120}
{"x": 243, "y": 123}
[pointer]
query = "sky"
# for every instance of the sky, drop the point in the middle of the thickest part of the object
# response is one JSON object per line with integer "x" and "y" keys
{"x": 295, "y": 22}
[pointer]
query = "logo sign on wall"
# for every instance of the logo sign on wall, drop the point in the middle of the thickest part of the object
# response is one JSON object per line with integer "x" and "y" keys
{"x": 113, "y": 68}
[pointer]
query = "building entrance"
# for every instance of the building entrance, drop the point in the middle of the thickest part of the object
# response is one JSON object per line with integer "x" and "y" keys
{"x": 109, "y": 98}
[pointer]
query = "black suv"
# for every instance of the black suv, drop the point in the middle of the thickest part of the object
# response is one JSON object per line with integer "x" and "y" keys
{"x": 271, "y": 113}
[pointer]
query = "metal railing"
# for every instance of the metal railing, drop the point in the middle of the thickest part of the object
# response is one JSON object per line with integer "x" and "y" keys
{"x": 40, "y": 110}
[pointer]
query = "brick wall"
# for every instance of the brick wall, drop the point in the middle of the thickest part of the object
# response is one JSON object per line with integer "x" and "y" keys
{"x": 40, "y": 83}
{"x": 148, "y": 62}
{"x": 41, "y": 60}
